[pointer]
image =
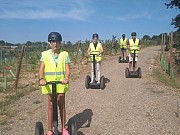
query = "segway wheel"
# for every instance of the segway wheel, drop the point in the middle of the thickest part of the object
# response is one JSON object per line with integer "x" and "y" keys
{"x": 127, "y": 72}
{"x": 72, "y": 127}
{"x": 120, "y": 59}
{"x": 87, "y": 81}
{"x": 39, "y": 130}
{"x": 56, "y": 132}
{"x": 127, "y": 59}
{"x": 139, "y": 73}
{"x": 102, "y": 82}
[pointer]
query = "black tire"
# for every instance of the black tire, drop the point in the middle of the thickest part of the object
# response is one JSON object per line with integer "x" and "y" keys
{"x": 127, "y": 72}
{"x": 120, "y": 59}
{"x": 72, "y": 127}
{"x": 39, "y": 130}
{"x": 102, "y": 82}
{"x": 127, "y": 59}
{"x": 56, "y": 132}
{"x": 139, "y": 73}
{"x": 87, "y": 81}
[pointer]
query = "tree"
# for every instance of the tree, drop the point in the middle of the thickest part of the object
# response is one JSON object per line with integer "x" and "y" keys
{"x": 69, "y": 43}
{"x": 68, "y": 46}
{"x": 173, "y": 3}
{"x": 176, "y": 20}
{"x": 28, "y": 43}
{"x": 115, "y": 43}
{"x": 176, "y": 23}
{"x": 146, "y": 37}
{"x": 2, "y": 42}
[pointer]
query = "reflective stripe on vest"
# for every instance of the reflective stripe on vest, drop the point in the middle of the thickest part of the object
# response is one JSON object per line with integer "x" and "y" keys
{"x": 134, "y": 45}
{"x": 123, "y": 43}
{"x": 53, "y": 72}
{"x": 95, "y": 51}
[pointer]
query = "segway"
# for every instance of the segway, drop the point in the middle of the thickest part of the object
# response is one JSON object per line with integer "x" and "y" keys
{"x": 122, "y": 59}
{"x": 72, "y": 128}
{"x": 133, "y": 74}
{"x": 95, "y": 85}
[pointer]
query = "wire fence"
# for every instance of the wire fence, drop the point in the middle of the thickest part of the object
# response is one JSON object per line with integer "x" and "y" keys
{"x": 9, "y": 58}
{"x": 11, "y": 63}
{"x": 167, "y": 56}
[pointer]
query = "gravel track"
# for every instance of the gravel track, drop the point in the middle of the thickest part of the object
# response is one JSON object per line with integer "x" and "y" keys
{"x": 125, "y": 107}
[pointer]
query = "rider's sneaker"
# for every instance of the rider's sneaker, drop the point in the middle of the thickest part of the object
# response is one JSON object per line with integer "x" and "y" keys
{"x": 50, "y": 133}
{"x": 98, "y": 82}
{"x": 65, "y": 132}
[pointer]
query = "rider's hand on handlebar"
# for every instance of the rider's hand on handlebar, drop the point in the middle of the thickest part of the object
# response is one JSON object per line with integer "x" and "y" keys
{"x": 88, "y": 54}
{"x": 42, "y": 82}
{"x": 65, "y": 81}
{"x": 98, "y": 54}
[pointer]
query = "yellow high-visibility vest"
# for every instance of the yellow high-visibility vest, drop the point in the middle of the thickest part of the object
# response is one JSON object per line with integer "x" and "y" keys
{"x": 123, "y": 43}
{"x": 98, "y": 58}
{"x": 134, "y": 45}
{"x": 53, "y": 72}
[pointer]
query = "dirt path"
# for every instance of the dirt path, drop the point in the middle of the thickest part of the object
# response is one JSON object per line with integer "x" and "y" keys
{"x": 124, "y": 107}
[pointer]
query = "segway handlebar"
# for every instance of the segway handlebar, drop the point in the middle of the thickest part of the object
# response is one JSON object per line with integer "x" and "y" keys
{"x": 54, "y": 82}
{"x": 135, "y": 49}
{"x": 92, "y": 53}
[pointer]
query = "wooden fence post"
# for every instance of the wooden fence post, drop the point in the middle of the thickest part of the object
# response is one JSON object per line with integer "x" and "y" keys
{"x": 112, "y": 46}
{"x": 164, "y": 39}
{"x": 171, "y": 57}
{"x": 19, "y": 66}
{"x": 3, "y": 64}
{"x": 77, "y": 50}
{"x": 162, "y": 43}
{"x": 171, "y": 51}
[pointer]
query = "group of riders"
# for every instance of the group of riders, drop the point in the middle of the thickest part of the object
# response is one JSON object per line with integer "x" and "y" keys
{"x": 129, "y": 48}
{"x": 55, "y": 67}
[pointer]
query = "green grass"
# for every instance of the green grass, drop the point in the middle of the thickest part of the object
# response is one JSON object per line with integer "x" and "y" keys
{"x": 11, "y": 99}
{"x": 8, "y": 113}
{"x": 161, "y": 76}
{"x": 18, "y": 94}
{"x": 3, "y": 122}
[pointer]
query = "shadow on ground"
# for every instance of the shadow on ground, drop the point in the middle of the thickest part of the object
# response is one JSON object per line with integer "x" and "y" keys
{"x": 83, "y": 119}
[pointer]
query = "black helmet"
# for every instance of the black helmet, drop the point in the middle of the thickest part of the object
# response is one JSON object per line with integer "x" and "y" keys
{"x": 123, "y": 35}
{"x": 54, "y": 36}
{"x": 133, "y": 34}
{"x": 95, "y": 35}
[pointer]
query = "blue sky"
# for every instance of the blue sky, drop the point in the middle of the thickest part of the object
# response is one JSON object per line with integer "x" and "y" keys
{"x": 33, "y": 20}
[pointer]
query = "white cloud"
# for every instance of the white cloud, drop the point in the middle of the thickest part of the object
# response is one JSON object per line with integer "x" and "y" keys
{"x": 75, "y": 14}
{"x": 158, "y": 14}
{"x": 75, "y": 10}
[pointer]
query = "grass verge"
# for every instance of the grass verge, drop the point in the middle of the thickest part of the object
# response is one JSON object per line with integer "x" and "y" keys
{"x": 3, "y": 122}
{"x": 163, "y": 77}
{"x": 18, "y": 94}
